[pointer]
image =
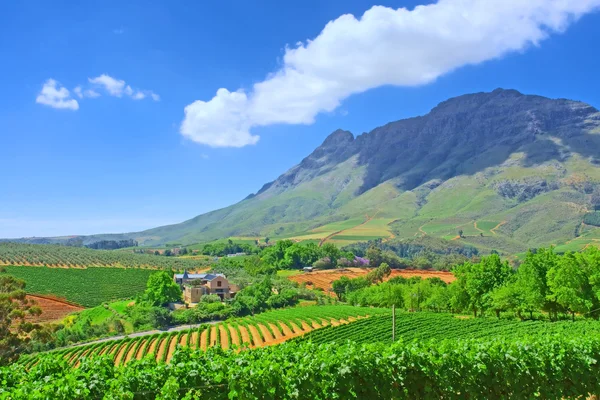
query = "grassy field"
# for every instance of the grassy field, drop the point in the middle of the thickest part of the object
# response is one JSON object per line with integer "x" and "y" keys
{"x": 88, "y": 287}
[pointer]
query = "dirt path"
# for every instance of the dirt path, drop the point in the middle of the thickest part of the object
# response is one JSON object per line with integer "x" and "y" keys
{"x": 347, "y": 229}
{"x": 296, "y": 329}
{"x": 286, "y": 329}
{"x": 212, "y": 336}
{"x": 204, "y": 339}
{"x": 245, "y": 335}
{"x": 172, "y": 345}
{"x": 256, "y": 336}
{"x": 118, "y": 359}
{"x": 306, "y": 327}
{"x": 266, "y": 333}
{"x": 423, "y": 233}
{"x": 235, "y": 340}
{"x": 493, "y": 230}
{"x": 131, "y": 352}
{"x": 224, "y": 338}
{"x": 183, "y": 339}
{"x": 161, "y": 348}
{"x": 315, "y": 324}
{"x": 276, "y": 331}
{"x": 194, "y": 340}
{"x": 152, "y": 346}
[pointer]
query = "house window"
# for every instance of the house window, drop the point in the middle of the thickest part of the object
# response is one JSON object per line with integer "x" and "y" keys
{"x": 219, "y": 283}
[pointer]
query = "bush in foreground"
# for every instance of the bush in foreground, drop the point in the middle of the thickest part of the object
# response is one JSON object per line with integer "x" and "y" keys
{"x": 551, "y": 368}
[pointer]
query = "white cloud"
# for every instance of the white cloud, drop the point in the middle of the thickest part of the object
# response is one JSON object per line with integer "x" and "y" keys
{"x": 220, "y": 122}
{"x": 118, "y": 88}
{"x": 113, "y": 86}
{"x": 118, "y": 31}
{"x": 56, "y": 96}
{"x": 383, "y": 47}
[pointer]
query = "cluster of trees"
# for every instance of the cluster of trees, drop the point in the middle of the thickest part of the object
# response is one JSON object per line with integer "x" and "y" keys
{"x": 112, "y": 244}
{"x": 14, "y": 308}
{"x": 286, "y": 254}
{"x": 421, "y": 253}
{"x": 544, "y": 282}
{"x": 345, "y": 285}
{"x": 229, "y": 247}
{"x": 592, "y": 218}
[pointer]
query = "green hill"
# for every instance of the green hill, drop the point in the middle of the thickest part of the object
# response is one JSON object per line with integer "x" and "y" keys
{"x": 498, "y": 170}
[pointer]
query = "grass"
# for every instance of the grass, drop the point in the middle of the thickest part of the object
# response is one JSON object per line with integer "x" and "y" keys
{"x": 88, "y": 287}
{"x": 284, "y": 273}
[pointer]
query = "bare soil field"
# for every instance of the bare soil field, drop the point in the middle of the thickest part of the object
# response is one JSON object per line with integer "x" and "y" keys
{"x": 323, "y": 279}
{"x": 53, "y": 309}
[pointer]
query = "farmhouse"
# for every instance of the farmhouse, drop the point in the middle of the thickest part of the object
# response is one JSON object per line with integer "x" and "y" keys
{"x": 195, "y": 286}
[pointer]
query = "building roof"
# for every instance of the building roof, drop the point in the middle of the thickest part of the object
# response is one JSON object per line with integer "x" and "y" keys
{"x": 208, "y": 277}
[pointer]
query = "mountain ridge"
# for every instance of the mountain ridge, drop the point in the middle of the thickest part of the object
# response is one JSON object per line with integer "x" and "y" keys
{"x": 504, "y": 148}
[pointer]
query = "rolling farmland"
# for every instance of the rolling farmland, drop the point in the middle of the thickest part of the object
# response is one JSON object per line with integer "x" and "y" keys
{"x": 264, "y": 329}
{"x": 323, "y": 279}
{"x": 78, "y": 257}
{"x": 88, "y": 287}
{"x": 425, "y": 326}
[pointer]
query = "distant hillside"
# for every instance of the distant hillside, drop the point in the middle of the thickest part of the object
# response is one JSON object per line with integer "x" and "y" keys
{"x": 498, "y": 170}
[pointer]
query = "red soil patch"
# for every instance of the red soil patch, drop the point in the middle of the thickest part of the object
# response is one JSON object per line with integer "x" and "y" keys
{"x": 323, "y": 279}
{"x": 52, "y": 308}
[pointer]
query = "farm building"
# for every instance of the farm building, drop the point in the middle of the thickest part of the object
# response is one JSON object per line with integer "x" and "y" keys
{"x": 195, "y": 286}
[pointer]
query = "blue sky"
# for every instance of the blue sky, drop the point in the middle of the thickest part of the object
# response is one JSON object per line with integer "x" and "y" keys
{"x": 117, "y": 163}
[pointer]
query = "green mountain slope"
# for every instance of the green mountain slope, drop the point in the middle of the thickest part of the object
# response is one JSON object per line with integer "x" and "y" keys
{"x": 507, "y": 170}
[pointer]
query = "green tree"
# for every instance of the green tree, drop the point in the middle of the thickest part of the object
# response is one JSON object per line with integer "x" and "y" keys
{"x": 374, "y": 256}
{"x": 14, "y": 307}
{"x": 569, "y": 285}
{"x": 479, "y": 280}
{"x": 161, "y": 289}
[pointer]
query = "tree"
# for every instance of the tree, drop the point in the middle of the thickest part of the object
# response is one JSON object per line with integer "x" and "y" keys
{"x": 531, "y": 282}
{"x": 460, "y": 232}
{"x": 161, "y": 289}
{"x": 569, "y": 285}
{"x": 14, "y": 307}
{"x": 479, "y": 280}
{"x": 374, "y": 256}
{"x": 379, "y": 273}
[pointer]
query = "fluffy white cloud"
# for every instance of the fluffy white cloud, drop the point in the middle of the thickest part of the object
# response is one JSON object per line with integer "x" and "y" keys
{"x": 56, "y": 96}
{"x": 220, "y": 122}
{"x": 114, "y": 87}
{"x": 383, "y": 47}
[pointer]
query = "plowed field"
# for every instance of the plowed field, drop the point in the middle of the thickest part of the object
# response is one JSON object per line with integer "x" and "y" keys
{"x": 323, "y": 279}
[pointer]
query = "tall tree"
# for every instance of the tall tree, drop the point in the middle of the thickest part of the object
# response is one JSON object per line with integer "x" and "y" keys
{"x": 569, "y": 284}
{"x": 161, "y": 289}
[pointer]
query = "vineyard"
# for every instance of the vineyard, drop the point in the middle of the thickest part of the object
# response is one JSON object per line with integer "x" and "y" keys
{"x": 542, "y": 368}
{"x": 323, "y": 279}
{"x": 264, "y": 329}
{"x": 88, "y": 287}
{"x": 425, "y": 326}
{"x": 78, "y": 257}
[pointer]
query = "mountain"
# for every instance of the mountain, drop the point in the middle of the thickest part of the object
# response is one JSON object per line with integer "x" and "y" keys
{"x": 509, "y": 171}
